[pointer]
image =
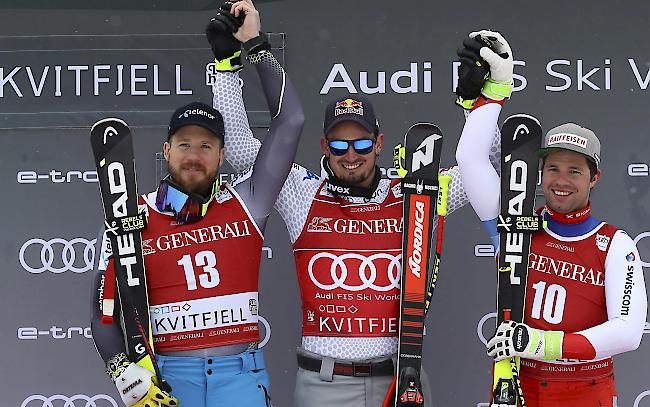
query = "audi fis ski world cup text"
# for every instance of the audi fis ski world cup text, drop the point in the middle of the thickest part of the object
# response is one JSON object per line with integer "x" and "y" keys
{"x": 418, "y": 77}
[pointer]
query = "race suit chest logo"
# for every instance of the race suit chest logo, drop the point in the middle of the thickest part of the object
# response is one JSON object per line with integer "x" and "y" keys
{"x": 319, "y": 224}
{"x": 368, "y": 274}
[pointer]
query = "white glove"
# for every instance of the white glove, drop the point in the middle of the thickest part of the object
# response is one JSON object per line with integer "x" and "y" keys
{"x": 137, "y": 386}
{"x": 518, "y": 339}
{"x": 498, "y": 55}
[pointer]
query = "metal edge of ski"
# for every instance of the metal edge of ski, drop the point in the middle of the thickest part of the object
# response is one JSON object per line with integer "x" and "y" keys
{"x": 421, "y": 156}
{"x": 112, "y": 145}
{"x": 520, "y": 137}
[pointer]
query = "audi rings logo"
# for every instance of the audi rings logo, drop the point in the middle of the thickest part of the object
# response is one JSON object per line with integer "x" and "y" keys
{"x": 57, "y": 255}
{"x": 367, "y": 270}
{"x": 267, "y": 331}
{"x": 637, "y": 401}
{"x": 78, "y": 400}
{"x": 481, "y": 324}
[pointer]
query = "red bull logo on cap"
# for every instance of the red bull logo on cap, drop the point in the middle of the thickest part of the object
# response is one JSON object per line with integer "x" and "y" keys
{"x": 348, "y": 106}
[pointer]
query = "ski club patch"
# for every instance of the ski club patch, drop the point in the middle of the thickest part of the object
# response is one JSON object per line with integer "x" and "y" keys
{"x": 319, "y": 224}
{"x": 630, "y": 257}
{"x": 223, "y": 195}
{"x": 397, "y": 190}
{"x": 602, "y": 241}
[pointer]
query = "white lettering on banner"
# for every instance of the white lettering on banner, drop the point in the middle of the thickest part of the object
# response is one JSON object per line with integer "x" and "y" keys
{"x": 638, "y": 170}
{"x": 56, "y": 177}
{"x": 418, "y": 78}
{"x": 520, "y": 81}
{"x": 484, "y": 250}
{"x": 89, "y": 401}
{"x": 102, "y": 76}
{"x": 358, "y": 325}
{"x": 401, "y": 81}
{"x": 643, "y": 82}
{"x": 566, "y": 270}
{"x": 204, "y": 313}
{"x": 33, "y": 333}
{"x": 582, "y": 78}
{"x": 203, "y": 235}
{"x": 338, "y": 269}
{"x": 68, "y": 255}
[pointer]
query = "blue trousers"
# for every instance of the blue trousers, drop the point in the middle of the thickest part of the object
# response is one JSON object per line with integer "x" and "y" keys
{"x": 237, "y": 380}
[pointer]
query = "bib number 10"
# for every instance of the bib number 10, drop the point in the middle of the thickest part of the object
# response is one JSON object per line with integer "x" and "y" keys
{"x": 209, "y": 275}
{"x": 548, "y": 302}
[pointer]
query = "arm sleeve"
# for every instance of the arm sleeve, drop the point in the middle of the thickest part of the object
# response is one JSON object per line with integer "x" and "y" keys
{"x": 108, "y": 338}
{"x": 241, "y": 147}
{"x": 476, "y": 155}
{"x": 275, "y": 157}
{"x": 627, "y": 306}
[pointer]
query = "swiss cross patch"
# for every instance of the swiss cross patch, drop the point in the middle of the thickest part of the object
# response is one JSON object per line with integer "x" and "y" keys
{"x": 602, "y": 241}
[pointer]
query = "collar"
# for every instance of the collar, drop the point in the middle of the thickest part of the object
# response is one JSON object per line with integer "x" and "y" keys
{"x": 572, "y": 217}
{"x": 341, "y": 189}
{"x": 574, "y": 224}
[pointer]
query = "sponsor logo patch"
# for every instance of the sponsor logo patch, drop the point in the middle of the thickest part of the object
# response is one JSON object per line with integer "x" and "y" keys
{"x": 602, "y": 241}
{"x": 319, "y": 224}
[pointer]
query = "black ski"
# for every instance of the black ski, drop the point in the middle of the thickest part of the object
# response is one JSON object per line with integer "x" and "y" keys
{"x": 113, "y": 150}
{"x": 421, "y": 156}
{"x": 521, "y": 136}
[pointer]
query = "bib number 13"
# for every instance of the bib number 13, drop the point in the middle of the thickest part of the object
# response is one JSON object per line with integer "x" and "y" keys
{"x": 209, "y": 275}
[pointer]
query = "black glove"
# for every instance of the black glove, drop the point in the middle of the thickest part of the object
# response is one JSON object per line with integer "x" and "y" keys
{"x": 473, "y": 70}
{"x": 220, "y": 31}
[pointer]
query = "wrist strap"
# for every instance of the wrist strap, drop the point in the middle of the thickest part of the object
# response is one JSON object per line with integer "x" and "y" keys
{"x": 466, "y": 104}
{"x": 116, "y": 365}
{"x": 497, "y": 90}
{"x": 231, "y": 64}
{"x": 553, "y": 345}
{"x": 257, "y": 44}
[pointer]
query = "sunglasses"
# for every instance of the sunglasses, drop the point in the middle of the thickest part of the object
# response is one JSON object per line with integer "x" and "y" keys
{"x": 361, "y": 146}
{"x": 186, "y": 206}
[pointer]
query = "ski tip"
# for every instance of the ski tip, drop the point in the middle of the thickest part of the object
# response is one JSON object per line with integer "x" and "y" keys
{"x": 108, "y": 120}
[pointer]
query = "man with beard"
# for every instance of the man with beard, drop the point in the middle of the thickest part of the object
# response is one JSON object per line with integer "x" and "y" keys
{"x": 585, "y": 292}
{"x": 347, "y": 225}
{"x": 202, "y": 248}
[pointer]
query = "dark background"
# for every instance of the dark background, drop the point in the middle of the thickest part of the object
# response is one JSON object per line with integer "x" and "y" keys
{"x": 49, "y": 132}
